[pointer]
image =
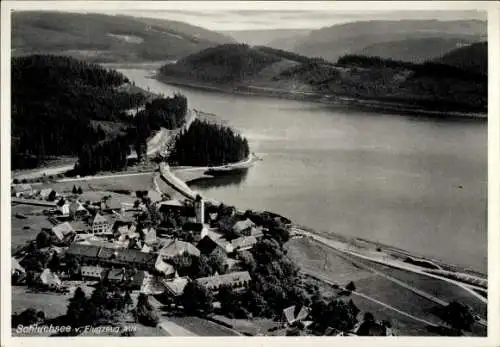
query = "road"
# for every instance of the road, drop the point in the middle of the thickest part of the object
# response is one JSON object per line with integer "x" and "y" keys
{"x": 155, "y": 145}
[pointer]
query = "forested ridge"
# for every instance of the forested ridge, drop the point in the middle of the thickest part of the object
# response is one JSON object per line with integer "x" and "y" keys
{"x": 63, "y": 106}
{"x": 108, "y": 38}
{"x": 457, "y": 83}
{"x": 229, "y": 63}
{"x": 207, "y": 144}
{"x": 55, "y": 98}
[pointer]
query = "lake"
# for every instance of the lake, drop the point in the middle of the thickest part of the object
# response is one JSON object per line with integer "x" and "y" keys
{"x": 412, "y": 182}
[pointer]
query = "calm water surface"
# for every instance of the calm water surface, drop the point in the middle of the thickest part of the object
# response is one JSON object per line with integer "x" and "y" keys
{"x": 415, "y": 183}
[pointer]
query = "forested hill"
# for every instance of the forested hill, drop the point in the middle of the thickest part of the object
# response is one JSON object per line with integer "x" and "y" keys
{"x": 55, "y": 101}
{"x": 207, "y": 144}
{"x": 472, "y": 58}
{"x": 108, "y": 38}
{"x": 61, "y": 106}
{"x": 232, "y": 63}
{"x": 263, "y": 70}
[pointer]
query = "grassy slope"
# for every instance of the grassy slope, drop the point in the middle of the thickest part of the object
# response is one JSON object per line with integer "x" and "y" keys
{"x": 334, "y": 41}
{"x": 88, "y": 36}
{"x": 440, "y": 289}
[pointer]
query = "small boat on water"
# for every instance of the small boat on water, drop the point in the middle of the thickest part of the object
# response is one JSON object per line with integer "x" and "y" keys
{"x": 20, "y": 216}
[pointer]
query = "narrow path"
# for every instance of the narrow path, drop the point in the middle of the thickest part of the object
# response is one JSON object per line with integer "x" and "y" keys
{"x": 367, "y": 297}
{"x": 406, "y": 314}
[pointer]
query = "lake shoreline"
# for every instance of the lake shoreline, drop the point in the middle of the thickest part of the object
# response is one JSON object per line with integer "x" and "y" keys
{"x": 374, "y": 106}
{"x": 374, "y": 243}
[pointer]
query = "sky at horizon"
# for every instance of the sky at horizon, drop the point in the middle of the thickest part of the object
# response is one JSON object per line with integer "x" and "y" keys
{"x": 251, "y": 19}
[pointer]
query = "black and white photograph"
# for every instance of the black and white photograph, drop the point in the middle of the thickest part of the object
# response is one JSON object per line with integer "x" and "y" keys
{"x": 252, "y": 169}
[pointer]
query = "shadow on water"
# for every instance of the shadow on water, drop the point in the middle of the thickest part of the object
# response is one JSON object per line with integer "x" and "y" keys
{"x": 233, "y": 179}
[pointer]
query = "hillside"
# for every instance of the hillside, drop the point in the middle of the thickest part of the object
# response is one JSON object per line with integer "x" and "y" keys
{"x": 65, "y": 107}
{"x": 473, "y": 58}
{"x": 231, "y": 63}
{"x": 106, "y": 38}
{"x": 357, "y": 80}
{"x": 335, "y": 41}
{"x": 275, "y": 38}
{"x": 416, "y": 50}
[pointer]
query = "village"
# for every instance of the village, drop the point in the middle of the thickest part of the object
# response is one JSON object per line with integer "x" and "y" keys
{"x": 147, "y": 247}
{"x": 188, "y": 262}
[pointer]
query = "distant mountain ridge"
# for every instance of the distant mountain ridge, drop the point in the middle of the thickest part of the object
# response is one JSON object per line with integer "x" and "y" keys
{"x": 275, "y": 38}
{"x": 416, "y": 50}
{"x": 396, "y": 36}
{"x": 108, "y": 38}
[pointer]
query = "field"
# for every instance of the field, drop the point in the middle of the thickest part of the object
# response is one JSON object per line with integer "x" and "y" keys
{"x": 54, "y": 305}
{"x": 441, "y": 289}
{"x": 403, "y": 325}
{"x": 19, "y": 235}
{"x": 117, "y": 182}
{"x": 321, "y": 261}
{"x": 401, "y": 298}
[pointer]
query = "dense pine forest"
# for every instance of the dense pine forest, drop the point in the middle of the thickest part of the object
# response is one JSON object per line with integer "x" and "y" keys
{"x": 55, "y": 101}
{"x": 63, "y": 106}
{"x": 207, "y": 144}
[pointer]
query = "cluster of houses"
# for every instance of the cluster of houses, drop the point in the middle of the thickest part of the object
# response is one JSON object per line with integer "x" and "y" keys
{"x": 109, "y": 243}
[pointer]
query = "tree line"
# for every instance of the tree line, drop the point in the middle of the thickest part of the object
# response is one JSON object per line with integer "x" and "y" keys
{"x": 207, "y": 144}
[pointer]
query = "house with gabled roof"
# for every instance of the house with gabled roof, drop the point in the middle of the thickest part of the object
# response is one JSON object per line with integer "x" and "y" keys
{"x": 244, "y": 227}
{"x": 93, "y": 273}
{"x": 166, "y": 269}
{"x": 101, "y": 224}
{"x": 244, "y": 243}
{"x": 83, "y": 253}
{"x": 177, "y": 247}
{"x": 175, "y": 287}
{"x": 45, "y": 192}
{"x": 63, "y": 231}
{"x": 116, "y": 275}
{"x": 23, "y": 189}
{"x": 16, "y": 267}
{"x": 148, "y": 283}
{"x": 292, "y": 314}
{"x": 50, "y": 279}
{"x": 76, "y": 210}
{"x": 111, "y": 204}
{"x": 235, "y": 280}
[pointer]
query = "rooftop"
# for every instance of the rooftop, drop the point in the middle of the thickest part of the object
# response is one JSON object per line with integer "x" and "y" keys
{"x": 244, "y": 242}
{"x": 62, "y": 230}
{"x": 221, "y": 280}
{"x": 176, "y": 286}
{"x": 243, "y": 225}
{"x": 177, "y": 247}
